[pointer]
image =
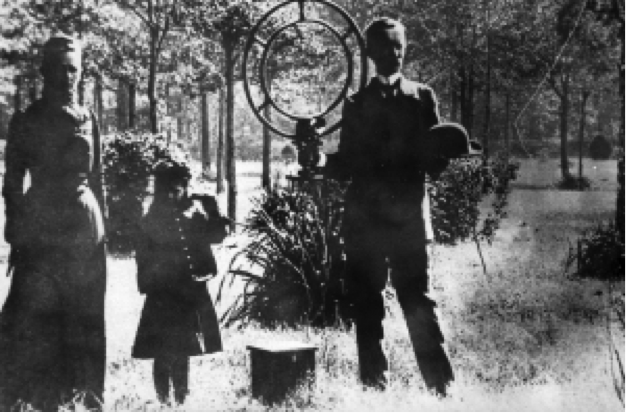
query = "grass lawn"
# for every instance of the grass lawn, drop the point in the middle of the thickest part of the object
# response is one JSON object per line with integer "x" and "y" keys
{"x": 522, "y": 337}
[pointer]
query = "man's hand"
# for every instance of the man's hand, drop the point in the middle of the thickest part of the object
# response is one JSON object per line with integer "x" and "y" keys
{"x": 439, "y": 164}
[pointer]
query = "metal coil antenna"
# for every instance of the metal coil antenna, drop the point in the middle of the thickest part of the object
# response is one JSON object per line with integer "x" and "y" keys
{"x": 308, "y": 130}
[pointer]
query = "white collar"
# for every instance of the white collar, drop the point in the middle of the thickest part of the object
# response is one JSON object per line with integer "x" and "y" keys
{"x": 389, "y": 80}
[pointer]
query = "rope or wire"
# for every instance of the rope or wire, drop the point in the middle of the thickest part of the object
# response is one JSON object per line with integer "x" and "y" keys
{"x": 547, "y": 76}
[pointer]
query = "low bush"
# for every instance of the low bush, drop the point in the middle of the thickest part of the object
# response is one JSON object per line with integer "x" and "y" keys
{"x": 457, "y": 195}
{"x": 600, "y": 148}
{"x": 293, "y": 268}
{"x": 129, "y": 159}
{"x": 599, "y": 254}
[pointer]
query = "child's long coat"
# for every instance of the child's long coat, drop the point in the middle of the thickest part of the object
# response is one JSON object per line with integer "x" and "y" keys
{"x": 178, "y": 317}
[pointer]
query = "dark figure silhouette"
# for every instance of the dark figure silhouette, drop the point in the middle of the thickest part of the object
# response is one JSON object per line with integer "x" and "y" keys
{"x": 385, "y": 153}
{"x": 52, "y": 333}
{"x": 174, "y": 260}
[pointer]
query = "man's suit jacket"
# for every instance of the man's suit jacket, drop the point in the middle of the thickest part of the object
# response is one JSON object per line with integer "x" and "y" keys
{"x": 382, "y": 150}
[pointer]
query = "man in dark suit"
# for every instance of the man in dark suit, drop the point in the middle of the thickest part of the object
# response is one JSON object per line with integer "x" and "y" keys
{"x": 385, "y": 153}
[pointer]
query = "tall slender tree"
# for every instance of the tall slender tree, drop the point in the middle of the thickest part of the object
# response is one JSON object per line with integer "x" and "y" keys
{"x": 227, "y": 23}
{"x": 159, "y": 18}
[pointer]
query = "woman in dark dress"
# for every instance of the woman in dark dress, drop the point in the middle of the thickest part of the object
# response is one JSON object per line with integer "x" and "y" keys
{"x": 174, "y": 261}
{"x": 52, "y": 331}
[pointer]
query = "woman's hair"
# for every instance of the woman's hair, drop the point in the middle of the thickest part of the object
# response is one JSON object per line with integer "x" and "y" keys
{"x": 57, "y": 45}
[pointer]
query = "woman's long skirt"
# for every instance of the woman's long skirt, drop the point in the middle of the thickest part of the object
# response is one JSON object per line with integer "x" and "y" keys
{"x": 52, "y": 328}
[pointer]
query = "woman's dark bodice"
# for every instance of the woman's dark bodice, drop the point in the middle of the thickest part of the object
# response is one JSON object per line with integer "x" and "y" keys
{"x": 58, "y": 147}
{"x": 55, "y": 145}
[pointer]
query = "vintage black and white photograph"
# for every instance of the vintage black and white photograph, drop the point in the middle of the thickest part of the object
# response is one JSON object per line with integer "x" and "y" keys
{"x": 312, "y": 205}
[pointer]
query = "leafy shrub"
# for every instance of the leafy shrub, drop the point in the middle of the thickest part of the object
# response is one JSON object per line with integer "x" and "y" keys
{"x": 457, "y": 195}
{"x": 292, "y": 270}
{"x": 288, "y": 152}
{"x": 129, "y": 158}
{"x": 600, "y": 148}
{"x": 599, "y": 254}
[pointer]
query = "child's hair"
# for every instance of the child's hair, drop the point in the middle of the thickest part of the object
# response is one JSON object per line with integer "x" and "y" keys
{"x": 379, "y": 25}
{"x": 169, "y": 173}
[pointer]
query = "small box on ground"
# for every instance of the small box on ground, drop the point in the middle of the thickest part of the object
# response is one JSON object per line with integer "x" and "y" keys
{"x": 279, "y": 368}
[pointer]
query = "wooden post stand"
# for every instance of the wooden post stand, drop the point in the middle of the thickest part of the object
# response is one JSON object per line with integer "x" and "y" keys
{"x": 279, "y": 368}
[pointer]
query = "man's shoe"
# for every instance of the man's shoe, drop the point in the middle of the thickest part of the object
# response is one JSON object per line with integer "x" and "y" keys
{"x": 376, "y": 382}
{"x": 436, "y": 372}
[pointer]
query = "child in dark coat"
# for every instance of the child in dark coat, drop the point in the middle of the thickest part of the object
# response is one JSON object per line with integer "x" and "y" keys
{"x": 174, "y": 261}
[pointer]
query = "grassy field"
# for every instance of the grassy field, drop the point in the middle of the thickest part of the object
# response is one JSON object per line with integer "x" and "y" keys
{"x": 523, "y": 337}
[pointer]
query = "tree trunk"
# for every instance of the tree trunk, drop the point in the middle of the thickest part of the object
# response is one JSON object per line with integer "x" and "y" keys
{"x": 180, "y": 118}
{"x": 132, "y": 105}
{"x": 598, "y": 124}
{"x": 534, "y": 123}
{"x": 470, "y": 100}
{"x": 486, "y": 130}
{"x": 507, "y": 121}
{"x": 487, "y": 125}
{"x": 152, "y": 92}
{"x": 99, "y": 103}
{"x": 467, "y": 99}
{"x": 231, "y": 171}
{"x": 17, "y": 97}
{"x": 463, "y": 97}
{"x": 564, "y": 126}
{"x": 169, "y": 112}
{"x": 189, "y": 127}
{"x": 454, "y": 100}
{"x": 121, "y": 110}
{"x": 205, "y": 134}
{"x": 581, "y": 136}
{"x": 266, "y": 180}
{"x": 619, "y": 213}
{"x": 622, "y": 88}
{"x": 220, "y": 144}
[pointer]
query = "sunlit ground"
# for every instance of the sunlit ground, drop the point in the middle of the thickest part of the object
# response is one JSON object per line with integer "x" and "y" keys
{"x": 522, "y": 337}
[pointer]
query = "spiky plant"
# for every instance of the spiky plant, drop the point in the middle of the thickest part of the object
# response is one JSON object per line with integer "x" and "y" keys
{"x": 292, "y": 269}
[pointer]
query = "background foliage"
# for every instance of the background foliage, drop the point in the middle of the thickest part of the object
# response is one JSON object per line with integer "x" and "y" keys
{"x": 485, "y": 60}
{"x": 293, "y": 268}
{"x": 456, "y": 199}
{"x": 129, "y": 159}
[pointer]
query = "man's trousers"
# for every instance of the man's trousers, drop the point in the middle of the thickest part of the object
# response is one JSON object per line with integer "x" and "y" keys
{"x": 376, "y": 250}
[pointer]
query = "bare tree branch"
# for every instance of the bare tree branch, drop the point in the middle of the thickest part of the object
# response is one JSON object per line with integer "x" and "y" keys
{"x": 134, "y": 9}
{"x": 161, "y": 37}
{"x": 555, "y": 87}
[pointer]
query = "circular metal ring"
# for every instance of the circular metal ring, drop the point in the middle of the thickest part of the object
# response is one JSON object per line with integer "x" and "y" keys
{"x": 344, "y": 89}
{"x": 254, "y": 38}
